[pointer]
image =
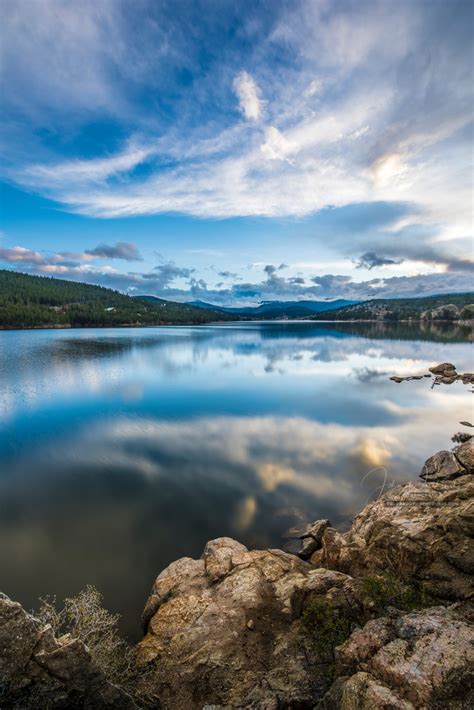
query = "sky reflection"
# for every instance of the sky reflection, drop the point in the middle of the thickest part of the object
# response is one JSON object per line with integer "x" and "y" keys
{"x": 121, "y": 450}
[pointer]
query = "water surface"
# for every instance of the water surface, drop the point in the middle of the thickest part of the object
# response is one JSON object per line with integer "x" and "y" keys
{"x": 123, "y": 449}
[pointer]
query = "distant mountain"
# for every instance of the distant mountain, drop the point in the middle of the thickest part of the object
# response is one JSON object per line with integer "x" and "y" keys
{"x": 444, "y": 307}
{"x": 39, "y": 301}
{"x": 277, "y": 309}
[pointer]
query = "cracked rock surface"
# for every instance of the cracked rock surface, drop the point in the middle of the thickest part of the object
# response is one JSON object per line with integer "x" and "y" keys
{"x": 226, "y": 631}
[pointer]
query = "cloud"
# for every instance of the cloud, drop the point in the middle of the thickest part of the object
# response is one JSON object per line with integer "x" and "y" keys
{"x": 248, "y": 94}
{"x": 86, "y": 171}
{"x": 370, "y": 260}
{"x": 276, "y": 146}
{"x": 348, "y": 112}
{"x": 21, "y": 255}
{"x": 163, "y": 280}
{"x": 65, "y": 262}
{"x": 271, "y": 269}
{"x": 121, "y": 250}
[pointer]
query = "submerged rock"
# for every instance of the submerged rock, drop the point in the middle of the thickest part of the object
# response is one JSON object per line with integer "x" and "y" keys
{"x": 443, "y": 368}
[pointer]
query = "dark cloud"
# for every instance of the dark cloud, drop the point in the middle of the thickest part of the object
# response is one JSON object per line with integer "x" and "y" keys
{"x": 296, "y": 280}
{"x": 120, "y": 250}
{"x": 370, "y": 260}
{"x": 169, "y": 271}
{"x": 227, "y": 275}
{"x": 271, "y": 269}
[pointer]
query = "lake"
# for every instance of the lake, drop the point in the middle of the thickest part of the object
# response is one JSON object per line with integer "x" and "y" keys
{"x": 124, "y": 449}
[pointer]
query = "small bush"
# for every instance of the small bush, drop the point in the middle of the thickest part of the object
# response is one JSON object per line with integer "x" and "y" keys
{"x": 326, "y": 627}
{"x": 83, "y": 617}
{"x": 385, "y": 590}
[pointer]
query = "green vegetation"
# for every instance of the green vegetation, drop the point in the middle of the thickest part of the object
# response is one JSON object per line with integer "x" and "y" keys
{"x": 327, "y": 625}
{"x": 385, "y": 590}
{"x": 35, "y": 301}
{"x": 449, "y": 307}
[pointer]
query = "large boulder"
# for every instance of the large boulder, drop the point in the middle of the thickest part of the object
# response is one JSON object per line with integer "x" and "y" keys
{"x": 465, "y": 455}
{"x": 420, "y": 533}
{"x": 423, "y": 659}
{"x": 226, "y": 629}
{"x": 38, "y": 670}
{"x": 442, "y": 466}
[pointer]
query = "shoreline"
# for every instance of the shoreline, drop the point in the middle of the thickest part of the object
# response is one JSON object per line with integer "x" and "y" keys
{"x": 68, "y": 326}
{"x": 325, "y": 628}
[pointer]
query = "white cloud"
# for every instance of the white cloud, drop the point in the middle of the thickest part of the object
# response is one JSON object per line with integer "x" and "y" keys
{"x": 248, "y": 94}
{"x": 367, "y": 112}
{"x": 276, "y": 146}
{"x": 87, "y": 170}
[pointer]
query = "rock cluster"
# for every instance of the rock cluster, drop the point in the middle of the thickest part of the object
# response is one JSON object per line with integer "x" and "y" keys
{"x": 59, "y": 673}
{"x": 227, "y": 631}
{"x": 417, "y": 532}
{"x": 424, "y": 659}
{"x": 230, "y": 630}
{"x": 445, "y": 374}
{"x": 447, "y": 465}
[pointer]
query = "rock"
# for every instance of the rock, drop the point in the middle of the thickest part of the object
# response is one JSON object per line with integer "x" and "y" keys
{"x": 461, "y": 436}
{"x": 419, "y": 533}
{"x": 36, "y": 667}
{"x": 312, "y": 538}
{"x": 198, "y": 649}
{"x": 361, "y": 692}
{"x": 309, "y": 547}
{"x": 465, "y": 455}
{"x": 397, "y": 379}
{"x": 467, "y": 424}
{"x": 417, "y": 660}
{"x": 441, "y": 369}
{"x": 448, "y": 380}
{"x": 443, "y": 466}
{"x": 228, "y": 630}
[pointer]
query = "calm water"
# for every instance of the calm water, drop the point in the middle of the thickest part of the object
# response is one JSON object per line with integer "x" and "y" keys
{"x": 123, "y": 449}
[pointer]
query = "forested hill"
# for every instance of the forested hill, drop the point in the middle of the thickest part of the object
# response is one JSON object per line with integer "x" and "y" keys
{"x": 446, "y": 307}
{"x": 35, "y": 301}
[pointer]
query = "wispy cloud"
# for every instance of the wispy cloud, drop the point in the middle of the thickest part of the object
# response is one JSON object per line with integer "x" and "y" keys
{"x": 249, "y": 96}
{"x": 115, "y": 112}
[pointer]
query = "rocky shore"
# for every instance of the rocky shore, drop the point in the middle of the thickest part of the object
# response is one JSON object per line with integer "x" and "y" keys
{"x": 378, "y": 617}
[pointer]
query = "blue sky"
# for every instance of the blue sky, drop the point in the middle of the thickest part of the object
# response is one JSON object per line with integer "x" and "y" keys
{"x": 237, "y": 152}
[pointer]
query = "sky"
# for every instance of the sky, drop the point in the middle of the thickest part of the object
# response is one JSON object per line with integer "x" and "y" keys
{"x": 237, "y": 152}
